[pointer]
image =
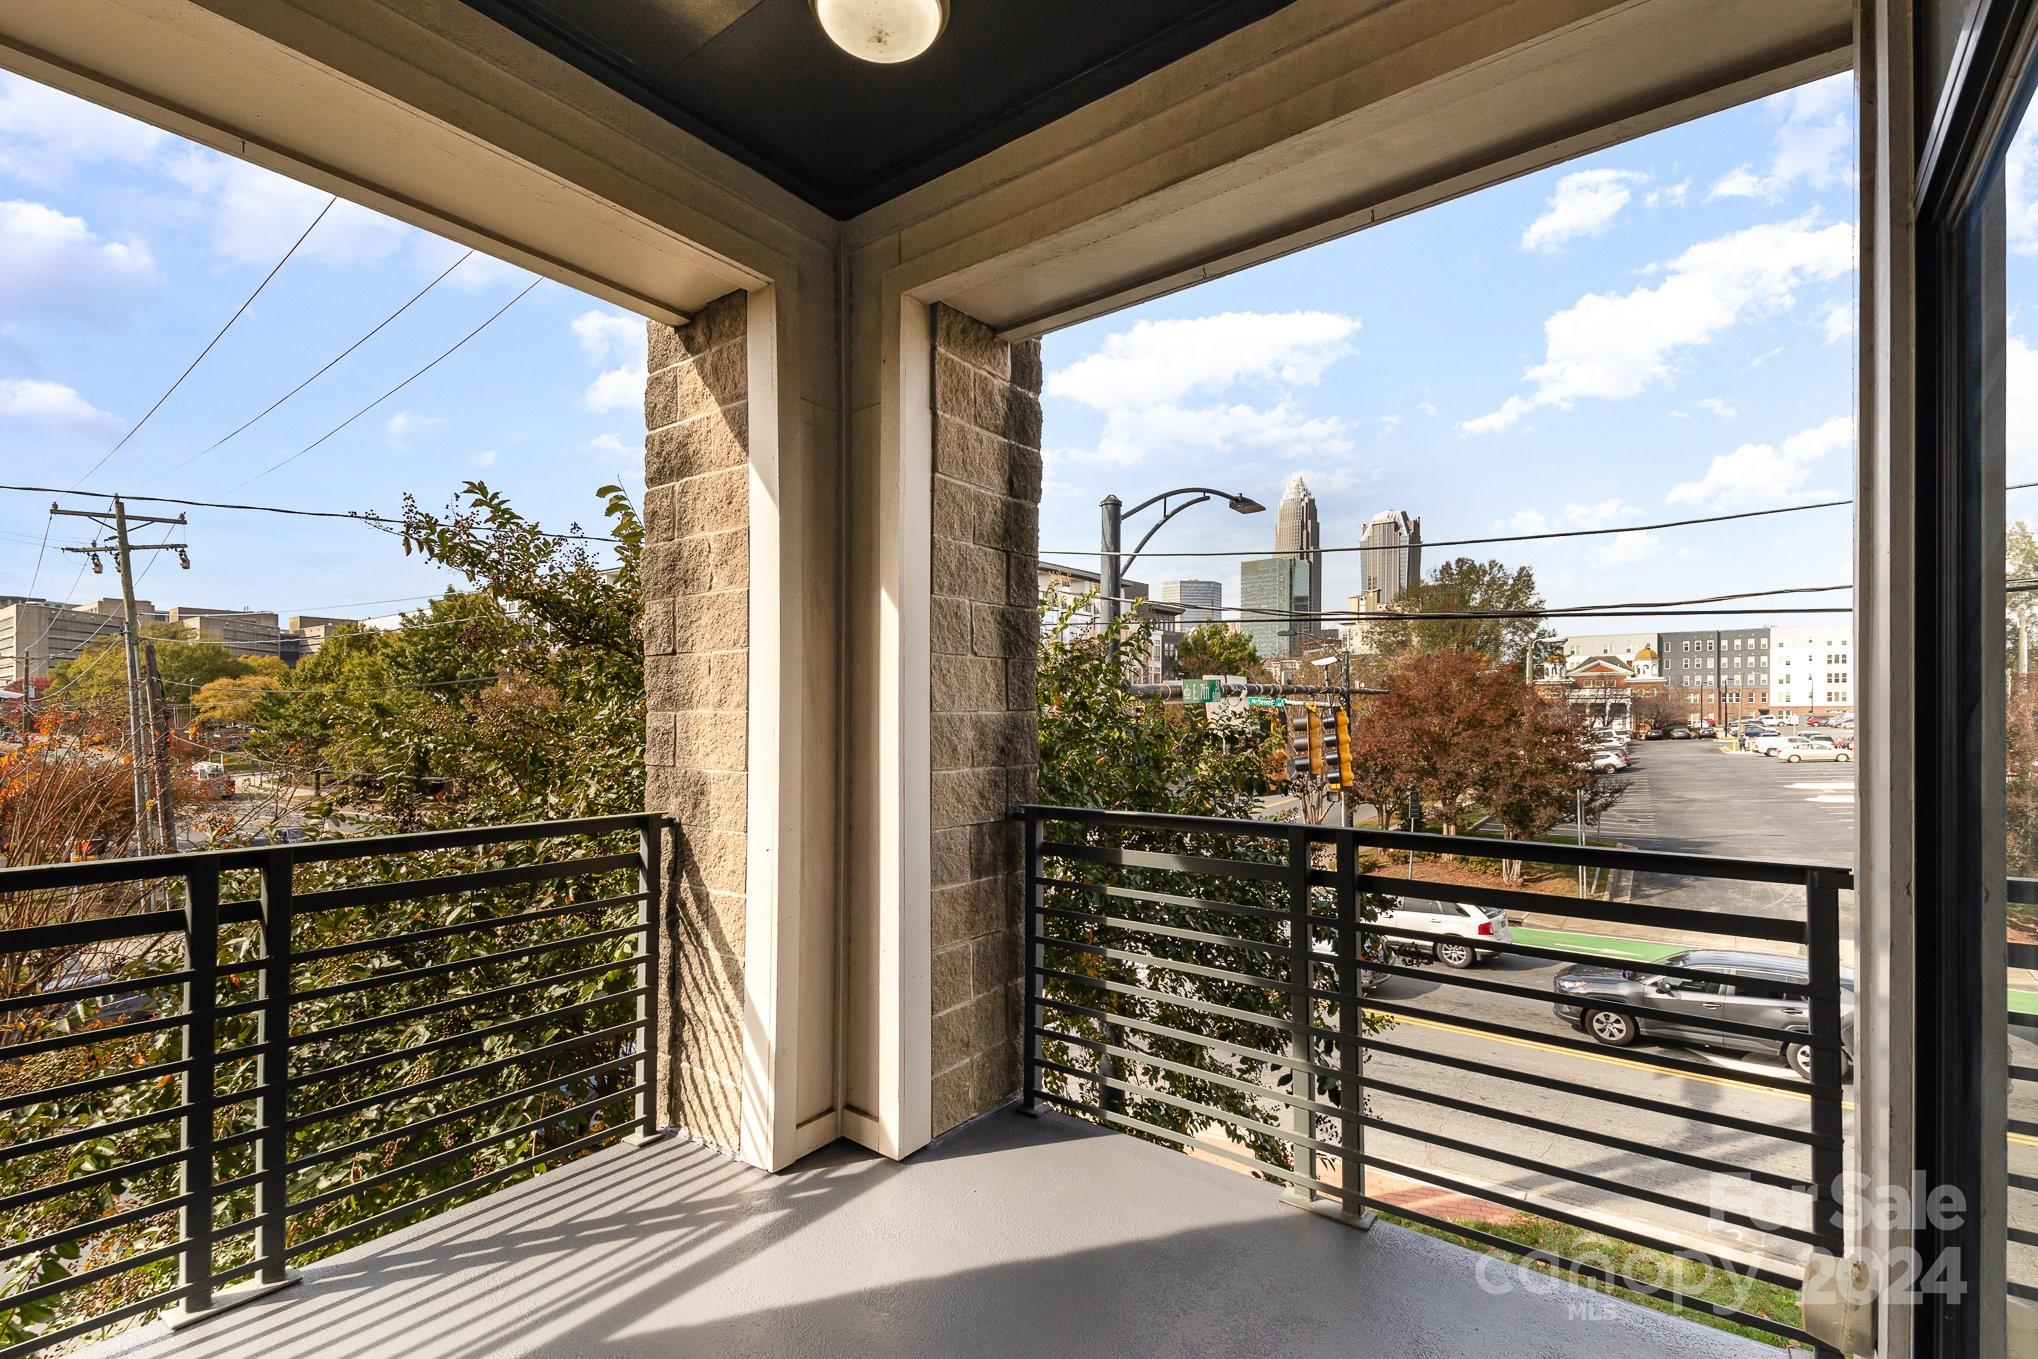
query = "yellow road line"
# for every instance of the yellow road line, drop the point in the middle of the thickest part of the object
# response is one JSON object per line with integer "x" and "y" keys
{"x": 2020, "y": 1139}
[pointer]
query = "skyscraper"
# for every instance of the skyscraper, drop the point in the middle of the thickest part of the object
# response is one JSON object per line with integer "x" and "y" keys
{"x": 1297, "y": 534}
{"x": 1391, "y": 573}
{"x": 1202, "y": 601}
{"x": 1274, "y": 593}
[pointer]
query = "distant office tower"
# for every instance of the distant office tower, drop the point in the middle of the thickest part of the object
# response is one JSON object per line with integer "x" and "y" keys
{"x": 1202, "y": 601}
{"x": 1274, "y": 595}
{"x": 1297, "y": 534}
{"x": 1383, "y": 571}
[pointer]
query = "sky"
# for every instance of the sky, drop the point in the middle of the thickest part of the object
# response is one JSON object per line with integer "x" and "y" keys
{"x": 124, "y": 249}
{"x": 1657, "y": 331}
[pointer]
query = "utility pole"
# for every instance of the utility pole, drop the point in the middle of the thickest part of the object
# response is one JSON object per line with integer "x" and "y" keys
{"x": 122, "y": 550}
{"x": 159, "y": 749}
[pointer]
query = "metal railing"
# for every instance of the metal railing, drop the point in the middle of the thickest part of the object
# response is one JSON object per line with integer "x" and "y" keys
{"x": 1210, "y": 984}
{"x": 2021, "y": 1210}
{"x": 294, "y": 1059}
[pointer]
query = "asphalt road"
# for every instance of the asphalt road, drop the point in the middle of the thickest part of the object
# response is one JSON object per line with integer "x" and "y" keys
{"x": 1696, "y": 797}
{"x": 1688, "y": 797}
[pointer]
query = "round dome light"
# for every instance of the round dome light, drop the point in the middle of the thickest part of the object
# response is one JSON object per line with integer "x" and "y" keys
{"x": 882, "y": 30}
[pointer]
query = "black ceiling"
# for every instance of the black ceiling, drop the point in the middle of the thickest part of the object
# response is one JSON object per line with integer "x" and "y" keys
{"x": 758, "y": 79}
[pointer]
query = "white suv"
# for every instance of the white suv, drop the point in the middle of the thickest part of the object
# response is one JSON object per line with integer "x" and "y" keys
{"x": 1464, "y": 933}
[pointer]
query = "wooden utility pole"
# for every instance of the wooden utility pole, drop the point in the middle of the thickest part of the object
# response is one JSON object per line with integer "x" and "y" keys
{"x": 159, "y": 750}
{"x": 122, "y": 550}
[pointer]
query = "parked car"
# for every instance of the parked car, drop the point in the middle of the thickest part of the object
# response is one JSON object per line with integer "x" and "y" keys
{"x": 213, "y": 778}
{"x": 1654, "y": 734}
{"x": 1464, "y": 932}
{"x": 1677, "y": 1008}
{"x": 1608, "y": 760}
{"x": 1770, "y": 743}
{"x": 1680, "y": 733}
{"x": 1802, "y": 748}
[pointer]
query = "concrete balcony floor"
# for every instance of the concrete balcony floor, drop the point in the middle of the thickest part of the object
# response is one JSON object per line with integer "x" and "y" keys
{"x": 1010, "y": 1236}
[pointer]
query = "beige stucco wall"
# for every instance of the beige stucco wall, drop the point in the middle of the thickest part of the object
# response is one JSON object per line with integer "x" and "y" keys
{"x": 696, "y": 570}
{"x": 985, "y": 735}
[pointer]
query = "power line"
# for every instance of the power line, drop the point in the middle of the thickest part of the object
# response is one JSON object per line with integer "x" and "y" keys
{"x": 392, "y": 391}
{"x": 330, "y": 365}
{"x": 362, "y": 516}
{"x": 1496, "y": 538}
{"x": 136, "y": 427}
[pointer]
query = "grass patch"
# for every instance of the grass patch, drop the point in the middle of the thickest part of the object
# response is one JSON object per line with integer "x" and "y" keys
{"x": 1689, "y": 1277}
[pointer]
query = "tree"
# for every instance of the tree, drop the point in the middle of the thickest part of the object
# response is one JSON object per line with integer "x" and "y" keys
{"x": 520, "y": 697}
{"x": 1538, "y": 773}
{"x": 1100, "y": 746}
{"x": 2020, "y": 794}
{"x": 1434, "y": 730}
{"x": 1466, "y": 586}
{"x": 1215, "y": 649}
{"x": 231, "y": 699}
{"x": 95, "y": 682}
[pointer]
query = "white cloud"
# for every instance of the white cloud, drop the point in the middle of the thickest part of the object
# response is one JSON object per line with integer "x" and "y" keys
{"x": 485, "y": 458}
{"x": 619, "y": 389}
{"x": 396, "y": 431}
{"x": 1426, "y": 407}
{"x": 1158, "y": 363}
{"x": 602, "y": 333}
{"x": 1585, "y": 204}
{"x": 1326, "y": 480}
{"x": 1608, "y": 346}
{"x": 1837, "y": 320}
{"x": 45, "y": 134}
{"x": 1388, "y": 424}
{"x": 609, "y": 445}
{"x": 1525, "y": 521}
{"x": 1814, "y": 143}
{"x": 257, "y": 214}
{"x": 55, "y": 264}
{"x": 1623, "y": 549}
{"x": 1765, "y": 473}
{"x": 1129, "y": 435}
{"x": 1599, "y": 515}
{"x": 1719, "y": 406}
{"x": 1673, "y": 195}
{"x": 2021, "y": 418}
{"x": 2021, "y": 191}
{"x": 51, "y": 403}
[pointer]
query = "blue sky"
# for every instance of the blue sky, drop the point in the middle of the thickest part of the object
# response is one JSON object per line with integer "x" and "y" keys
{"x": 1656, "y": 331}
{"x": 123, "y": 249}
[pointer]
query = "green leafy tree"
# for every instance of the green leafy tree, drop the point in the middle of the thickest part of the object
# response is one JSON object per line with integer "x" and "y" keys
{"x": 1215, "y": 649}
{"x": 518, "y": 698}
{"x": 1465, "y": 586}
{"x": 1100, "y": 746}
{"x": 95, "y": 682}
{"x": 231, "y": 699}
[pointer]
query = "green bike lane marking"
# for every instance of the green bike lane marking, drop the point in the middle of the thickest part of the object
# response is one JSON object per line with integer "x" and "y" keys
{"x": 1645, "y": 951}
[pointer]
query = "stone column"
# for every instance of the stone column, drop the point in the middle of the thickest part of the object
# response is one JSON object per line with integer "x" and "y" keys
{"x": 696, "y": 571}
{"x": 985, "y": 631}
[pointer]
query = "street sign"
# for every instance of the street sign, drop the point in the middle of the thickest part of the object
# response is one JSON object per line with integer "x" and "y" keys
{"x": 1265, "y": 701}
{"x": 1200, "y": 691}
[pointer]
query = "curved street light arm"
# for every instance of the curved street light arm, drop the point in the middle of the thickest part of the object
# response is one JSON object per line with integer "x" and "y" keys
{"x": 1169, "y": 512}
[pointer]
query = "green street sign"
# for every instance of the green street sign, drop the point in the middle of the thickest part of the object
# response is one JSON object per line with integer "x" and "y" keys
{"x": 1266, "y": 701}
{"x": 1200, "y": 690}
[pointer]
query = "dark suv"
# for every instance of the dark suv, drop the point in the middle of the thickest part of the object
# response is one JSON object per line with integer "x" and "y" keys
{"x": 1677, "y": 1008}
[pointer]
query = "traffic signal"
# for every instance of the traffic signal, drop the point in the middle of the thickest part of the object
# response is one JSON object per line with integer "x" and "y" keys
{"x": 1305, "y": 740}
{"x": 1337, "y": 744}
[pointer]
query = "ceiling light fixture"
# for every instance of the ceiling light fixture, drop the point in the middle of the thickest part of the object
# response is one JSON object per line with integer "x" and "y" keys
{"x": 885, "y": 31}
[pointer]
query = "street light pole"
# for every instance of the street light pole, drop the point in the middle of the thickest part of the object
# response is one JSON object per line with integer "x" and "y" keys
{"x": 1112, "y": 565}
{"x": 1109, "y": 571}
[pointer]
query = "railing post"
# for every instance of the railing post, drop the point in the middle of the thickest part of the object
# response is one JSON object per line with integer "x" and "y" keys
{"x": 650, "y": 1014}
{"x": 1351, "y": 1035}
{"x": 1822, "y": 946}
{"x": 1035, "y": 832}
{"x": 201, "y": 1037}
{"x": 272, "y": 1068}
{"x": 1301, "y": 1082}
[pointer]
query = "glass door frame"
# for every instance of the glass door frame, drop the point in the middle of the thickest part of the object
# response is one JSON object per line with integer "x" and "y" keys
{"x": 1959, "y": 1032}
